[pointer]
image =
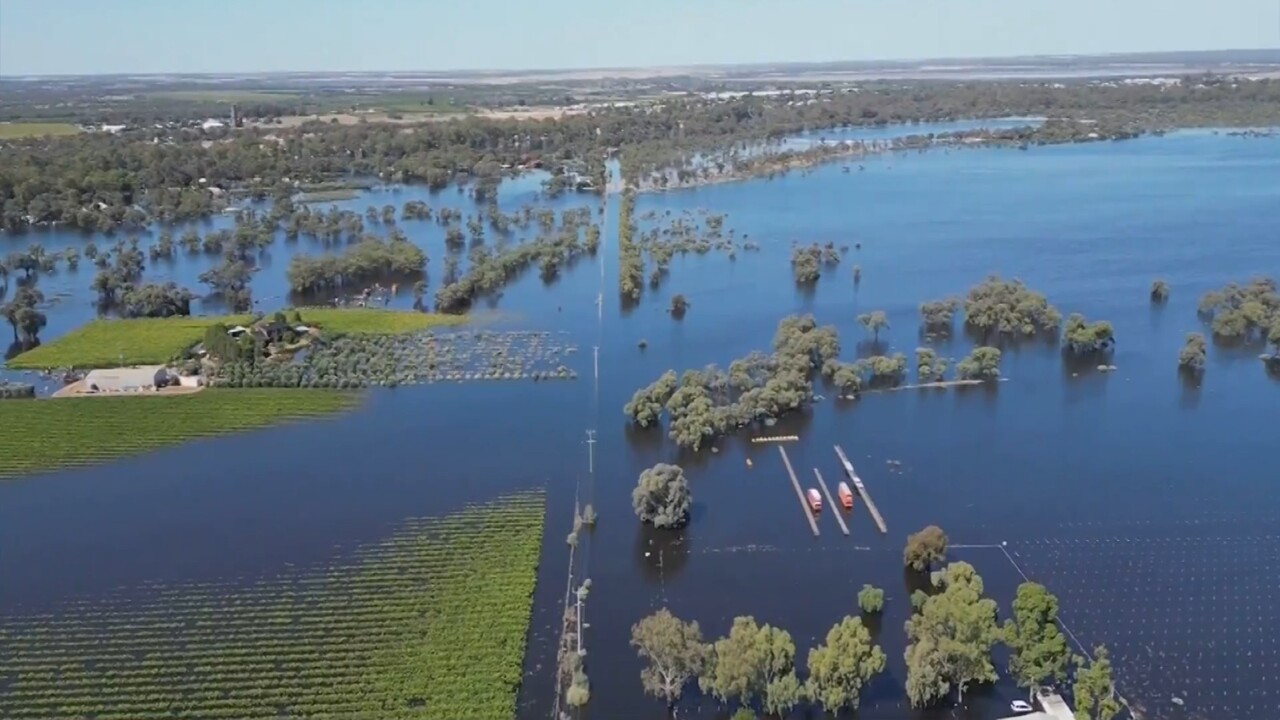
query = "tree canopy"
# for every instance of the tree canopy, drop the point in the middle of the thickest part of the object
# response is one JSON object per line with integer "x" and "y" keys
{"x": 1038, "y": 649}
{"x": 925, "y": 548}
{"x": 951, "y": 638}
{"x": 874, "y": 322}
{"x": 983, "y": 363}
{"x": 753, "y": 661}
{"x": 1082, "y": 336}
{"x": 1009, "y": 308}
{"x": 673, "y": 650}
{"x": 1094, "y": 689}
{"x": 840, "y": 668}
{"x": 662, "y": 496}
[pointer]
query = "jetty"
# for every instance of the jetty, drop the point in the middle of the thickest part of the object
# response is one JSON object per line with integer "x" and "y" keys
{"x": 795, "y": 482}
{"x": 775, "y": 438}
{"x": 862, "y": 490}
{"x": 835, "y": 509}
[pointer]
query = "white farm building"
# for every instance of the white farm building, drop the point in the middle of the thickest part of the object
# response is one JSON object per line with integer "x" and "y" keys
{"x": 134, "y": 379}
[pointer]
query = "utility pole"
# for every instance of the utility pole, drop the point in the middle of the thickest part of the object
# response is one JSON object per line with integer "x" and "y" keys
{"x": 591, "y": 451}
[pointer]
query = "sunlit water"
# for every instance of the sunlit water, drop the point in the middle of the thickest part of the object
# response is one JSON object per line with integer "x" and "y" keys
{"x": 1087, "y": 476}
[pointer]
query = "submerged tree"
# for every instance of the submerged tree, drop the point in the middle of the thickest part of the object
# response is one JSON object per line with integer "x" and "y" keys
{"x": 645, "y": 407}
{"x": 874, "y": 322}
{"x": 1009, "y": 308}
{"x": 1038, "y": 650}
{"x": 870, "y": 599}
{"x": 1242, "y": 312}
{"x": 929, "y": 366}
{"x": 951, "y": 638}
{"x": 841, "y": 668}
{"x": 21, "y": 312}
{"x": 938, "y": 315}
{"x": 674, "y": 652}
{"x": 153, "y": 300}
{"x": 1094, "y": 689}
{"x": 662, "y": 497}
{"x": 1083, "y": 337}
{"x": 925, "y": 548}
{"x": 983, "y": 363}
{"x": 1159, "y": 291}
{"x": 1194, "y": 354}
{"x": 806, "y": 264}
{"x": 678, "y": 306}
{"x": 753, "y": 661}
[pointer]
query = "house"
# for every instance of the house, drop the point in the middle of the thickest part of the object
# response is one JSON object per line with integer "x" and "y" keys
{"x": 212, "y": 124}
{"x": 134, "y": 379}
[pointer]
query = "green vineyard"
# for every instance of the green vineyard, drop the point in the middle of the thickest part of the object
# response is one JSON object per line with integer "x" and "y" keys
{"x": 47, "y": 434}
{"x": 429, "y": 624}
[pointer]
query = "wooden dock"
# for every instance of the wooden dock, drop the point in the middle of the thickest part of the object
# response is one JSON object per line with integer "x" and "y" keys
{"x": 795, "y": 482}
{"x": 862, "y": 490}
{"x": 835, "y": 509}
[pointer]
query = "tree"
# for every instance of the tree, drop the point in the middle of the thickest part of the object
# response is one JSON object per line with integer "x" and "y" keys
{"x": 871, "y": 599}
{"x": 1159, "y": 291}
{"x": 662, "y": 496}
{"x": 951, "y": 638}
{"x": 753, "y": 661}
{"x": 806, "y": 264}
{"x": 1038, "y": 650}
{"x": 1084, "y": 337}
{"x": 874, "y": 322}
{"x": 1094, "y": 690}
{"x": 930, "y": 367}
{"x": 937, "y": 316}
{"x": 23, "y": 317}
{"x": 1009, "y": 307}
{"x": 843, "y": 666}
{"x": 1194, "y": 354}
{"x": 983, "y": 363}
{"x": 678, "y": 306}
{"x": 154, "y": 300}
{"x": 1273, "y": 334}
{"x": 925, "y": 548}
{"x": 674, "y": 651}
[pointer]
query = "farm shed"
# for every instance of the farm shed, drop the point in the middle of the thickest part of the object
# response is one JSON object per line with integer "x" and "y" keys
{"x": 132, "y": 379}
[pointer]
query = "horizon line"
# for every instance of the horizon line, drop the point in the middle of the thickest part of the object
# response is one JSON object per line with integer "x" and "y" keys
{"x": 684, "y": 66}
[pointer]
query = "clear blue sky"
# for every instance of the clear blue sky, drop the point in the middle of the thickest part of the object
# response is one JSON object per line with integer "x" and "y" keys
{"x": 157, "y": 36}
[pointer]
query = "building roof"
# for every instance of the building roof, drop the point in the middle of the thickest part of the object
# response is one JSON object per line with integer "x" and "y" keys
{"x": 123, "y": 377}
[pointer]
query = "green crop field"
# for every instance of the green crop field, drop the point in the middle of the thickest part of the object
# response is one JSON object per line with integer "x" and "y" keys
{"x": 46, "y": 434}
{"x": 374, "y": 321}
{"x": 16, "y": 130}
{"x": 226, "y": 96}
{"x": 154, "y": 341}
{"x": 429, "y": 624}
{"x": 115, "y": 343}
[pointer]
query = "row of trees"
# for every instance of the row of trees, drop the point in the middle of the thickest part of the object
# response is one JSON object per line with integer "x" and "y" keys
{"x": 951, "y": 636}
{"x": 755, "y": 663}
{"x": 102, "y": 181}
{"x": 630, "y": 258}
{"x": 370, "y": 258}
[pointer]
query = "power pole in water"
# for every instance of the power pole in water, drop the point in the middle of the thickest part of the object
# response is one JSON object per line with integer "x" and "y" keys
{"x": 591, "y": 451}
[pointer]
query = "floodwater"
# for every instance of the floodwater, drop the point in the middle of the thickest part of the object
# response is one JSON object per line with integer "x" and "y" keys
{"x": 1146, "y": 504}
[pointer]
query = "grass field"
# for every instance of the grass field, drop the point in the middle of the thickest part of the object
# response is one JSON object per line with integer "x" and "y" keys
{"x": 48, "y": 434}
{"x": 14, "y": 131}
{"x": 154, "y": 341}
{"x": 374, "y": 321}
{"x": 429, "y": 624}
{"x": 114, "y": 343}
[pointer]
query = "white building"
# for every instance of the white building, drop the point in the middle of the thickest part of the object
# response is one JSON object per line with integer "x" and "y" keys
{"x": 212, "y": 124}
{"x": 134, "y": 379}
